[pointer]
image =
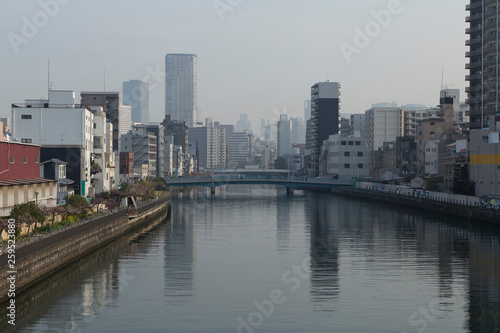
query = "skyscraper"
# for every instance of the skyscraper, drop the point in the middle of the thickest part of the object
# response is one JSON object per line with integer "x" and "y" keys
{"x": 284, "y": 135}
{"x": 181, "y": 87}
{"x": 483, "y": 90}
{"x": 136, "y": 95}
{"x": 325, "y": 111}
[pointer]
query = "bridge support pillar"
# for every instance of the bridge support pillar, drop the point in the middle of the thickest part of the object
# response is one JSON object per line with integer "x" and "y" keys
{"x": 289, "y": 191}
{"x": 212, "y": 190}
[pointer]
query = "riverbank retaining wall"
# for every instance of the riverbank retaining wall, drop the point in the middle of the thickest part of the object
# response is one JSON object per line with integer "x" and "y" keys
{"x": 452, "y": 208}
{"x": 42, "y": 258}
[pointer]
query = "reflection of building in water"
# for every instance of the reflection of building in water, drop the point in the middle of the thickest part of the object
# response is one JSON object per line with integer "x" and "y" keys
{"x": 484, "y": 284}
{"x": 283, "y": 223}
{"x": 104, "y": 285}
{"x": 180, "y": 252}
{"x": 324, "y": 263}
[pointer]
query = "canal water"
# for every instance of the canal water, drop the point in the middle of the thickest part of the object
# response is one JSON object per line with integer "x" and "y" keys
{"x": 252, "y": 259}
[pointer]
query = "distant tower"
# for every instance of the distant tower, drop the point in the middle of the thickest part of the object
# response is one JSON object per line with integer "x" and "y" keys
{"x": 181, "y": 87}
{"x": 136, "y": 94}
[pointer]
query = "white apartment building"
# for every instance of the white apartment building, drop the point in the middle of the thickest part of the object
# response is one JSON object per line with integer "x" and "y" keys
{"x": 345, "y": 158}
{"x": 383, "y": 124}
{"x": 63, "y": 129}
{"x": 102, "y": 156}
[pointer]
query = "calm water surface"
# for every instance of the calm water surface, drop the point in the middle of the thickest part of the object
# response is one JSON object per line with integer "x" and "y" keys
{"x": 252, "y": 259}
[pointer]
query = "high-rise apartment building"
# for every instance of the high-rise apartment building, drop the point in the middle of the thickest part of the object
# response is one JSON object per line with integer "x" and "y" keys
{"x": 325, "y": 112}
{"x": 181, "y": 87}
{"x": 383, "y": 124}
{"x": 136, "y": 95}
{"x": 484, "y": 65}
{"x": 209, "y": 143}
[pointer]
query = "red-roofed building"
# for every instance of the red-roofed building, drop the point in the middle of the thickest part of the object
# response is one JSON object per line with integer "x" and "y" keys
{"x": 20, "y": 180}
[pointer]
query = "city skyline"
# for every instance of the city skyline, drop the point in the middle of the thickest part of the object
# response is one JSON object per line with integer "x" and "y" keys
{"x": 262, "y": 70}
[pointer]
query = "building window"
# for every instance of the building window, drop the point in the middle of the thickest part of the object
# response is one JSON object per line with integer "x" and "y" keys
{"x": 358, "y": 143}
{"x": 351, "y": 143}
{"x": 347, "y": 166}
{"x": 25, "y": 116}
{"x": 25, "y": 140}
{"x": 12, "y": 160}
{"x": 25, "y": 160}
{"x": 36, "y": 159}
{"x": 360, "y": 154}
{"x": 360, "y": 166}
{"x": 343, "y": 143}
{"x": 432, "y": 123}
{"x": 432, "y": 132}
{"x": 347, "y": 154}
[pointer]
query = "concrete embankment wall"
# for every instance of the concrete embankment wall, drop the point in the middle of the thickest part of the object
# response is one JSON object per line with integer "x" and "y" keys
{"x": 463, "y": 212}
{"x": 40, "y": 259}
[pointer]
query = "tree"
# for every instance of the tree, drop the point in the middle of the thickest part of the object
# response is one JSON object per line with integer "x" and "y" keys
{"x": 27, "y": 213}
{"x": 431, "y": 185}
{"x": 78, "y": 203}
{"x": 281, "y": 163}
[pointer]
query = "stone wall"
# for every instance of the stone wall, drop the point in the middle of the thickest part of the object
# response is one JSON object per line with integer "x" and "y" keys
{"x": 37, "y": 260}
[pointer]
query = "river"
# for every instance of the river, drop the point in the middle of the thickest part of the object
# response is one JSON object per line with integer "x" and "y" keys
{"x": 253, "y": 259}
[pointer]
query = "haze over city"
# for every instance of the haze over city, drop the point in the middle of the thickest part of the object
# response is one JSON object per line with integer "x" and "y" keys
{"x": 256, "y": 57}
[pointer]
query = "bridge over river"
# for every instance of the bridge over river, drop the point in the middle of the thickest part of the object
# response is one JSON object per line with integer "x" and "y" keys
{"x": 291, "y": 183}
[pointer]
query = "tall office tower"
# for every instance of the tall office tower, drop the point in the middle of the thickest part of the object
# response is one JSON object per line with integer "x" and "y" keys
{"x": 298, "y": 130}
{"x": 307, "y": 110}
{"x": 136, "y": 95}
{"x": 484, "y": 66}
{"x": 284, "y": 135}
{"x": 325, "y": 113}
{"x": 181, "y": 87}
{"x": 239, "y": 149}
{"x": 263, "y": 124}
{"x": 243, "y": 124}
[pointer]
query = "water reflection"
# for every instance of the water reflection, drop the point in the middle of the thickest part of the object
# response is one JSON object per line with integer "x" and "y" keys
{"x": 179, "y": 252}
{"x": 283, "y": 224}
{"x": 484, "y": 284}
{"x": 324, "y": 251}
{"x": 71, "y": 299}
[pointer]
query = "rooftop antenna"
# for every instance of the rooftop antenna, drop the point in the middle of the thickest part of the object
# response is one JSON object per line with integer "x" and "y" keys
{"x": 442, "y": 77}
{"x": 49, "y": 84}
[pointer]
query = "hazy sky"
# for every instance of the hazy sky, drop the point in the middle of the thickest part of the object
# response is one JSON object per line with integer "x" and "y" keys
{"x": 258, "y": 57}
